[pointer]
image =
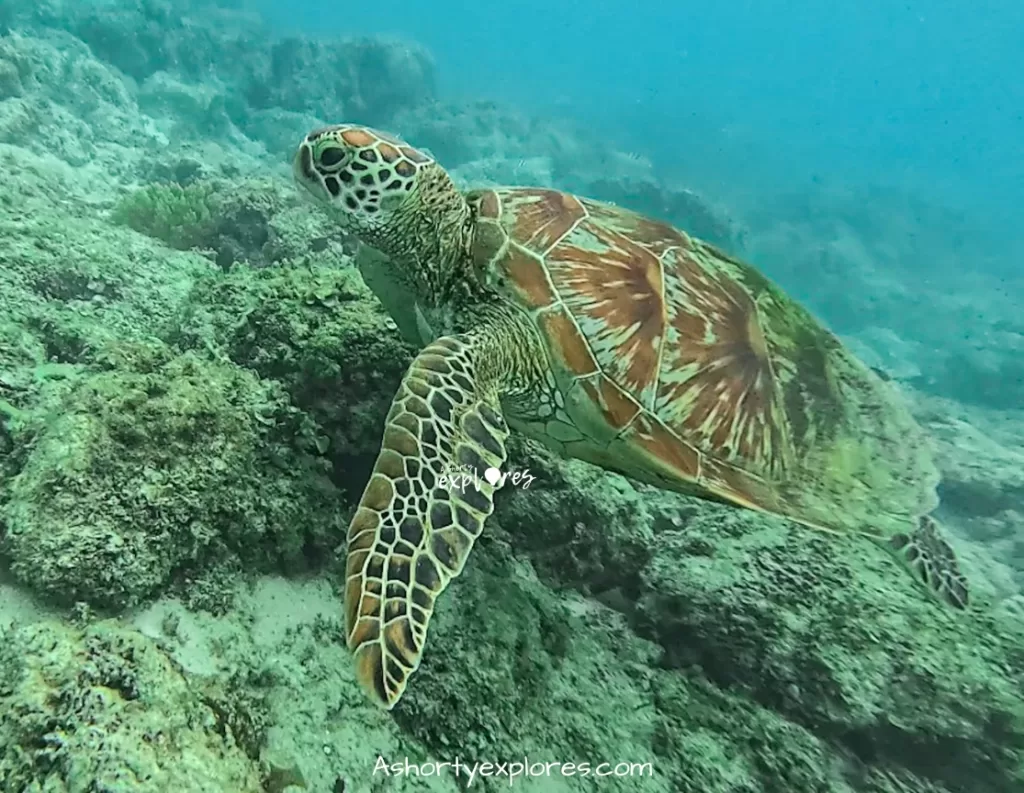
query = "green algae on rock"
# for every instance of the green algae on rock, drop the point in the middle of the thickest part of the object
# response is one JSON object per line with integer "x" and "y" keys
{"x": 521, "y": 670}
{"x": 181, "y": 216}
{"x": 816, "y": 641}
{"x": 833, "y": 642}
{"x": 105, "y": 709}
{"x": 161, "y": 461}
{"x": 319, "y": 332}
{"x": 232, "y": 219}
{"x": 70, "y": 283}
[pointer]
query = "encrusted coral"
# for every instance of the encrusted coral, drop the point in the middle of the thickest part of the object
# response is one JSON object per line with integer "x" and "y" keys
{"x": 181, "y": 216}
{"x": 104, "y": 709}
{"x": 158, "y": 462}
{"x": 320, "y": 333}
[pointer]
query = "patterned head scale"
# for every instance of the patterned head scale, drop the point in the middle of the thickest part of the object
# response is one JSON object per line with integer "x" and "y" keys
{"x": 364, "y": 174}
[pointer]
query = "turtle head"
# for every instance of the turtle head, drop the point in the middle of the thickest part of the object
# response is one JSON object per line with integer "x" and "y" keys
{"x": 365, "y": 176}
{"x": 390, "y": 195}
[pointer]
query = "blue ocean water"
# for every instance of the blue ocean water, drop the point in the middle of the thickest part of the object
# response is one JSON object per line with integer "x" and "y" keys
{"x": 767, "y": 94}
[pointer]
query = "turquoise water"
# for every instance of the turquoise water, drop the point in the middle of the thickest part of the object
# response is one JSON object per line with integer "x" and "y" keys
{"x": 914, "y": 93}
{"x": 270, "y": 398}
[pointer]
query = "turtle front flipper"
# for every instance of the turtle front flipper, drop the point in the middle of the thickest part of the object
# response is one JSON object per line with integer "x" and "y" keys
{"x": 423, "y": 508}
{"x": 933, "y": 562}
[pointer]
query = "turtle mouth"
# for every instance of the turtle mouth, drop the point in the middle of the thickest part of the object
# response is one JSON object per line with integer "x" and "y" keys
{"x": 302, "y": 164}
{"x": 305, "y": 175}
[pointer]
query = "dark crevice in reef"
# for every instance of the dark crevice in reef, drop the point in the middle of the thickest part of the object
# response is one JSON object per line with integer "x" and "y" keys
{"x": 974, "y": 500}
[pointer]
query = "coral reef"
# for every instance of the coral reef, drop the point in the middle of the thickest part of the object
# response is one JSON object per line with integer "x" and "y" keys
{"x": 180, "y": 215}
{"x": 375, "y": 78}
{"x": 486, "y": 144}
{"x": 322, "y": 336}
{"x": 982, "y": 488}
{"x": 231, "y": 219}
{"x": 910, "y": 263}
{"x": 845, "y": 648}
{"x": 104, "y": 709}
{"x": 157, "y": 462}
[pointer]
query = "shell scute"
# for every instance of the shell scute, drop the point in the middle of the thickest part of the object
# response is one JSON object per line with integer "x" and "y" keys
{"x": 527, "y": 277}
{"x": 488, "y": 205}
{"x": 654, "y": 235}
{"x": 614, "y": 289}
{"x": 718, "y": 383}
{"x": 739, "y": 485}
{"x": 675, "y": 330}
{"x": 566, "y": 342}
{"x": 540, "y": 218}
{"x": 674, "y": 457}
{"x": 618, "y": 408}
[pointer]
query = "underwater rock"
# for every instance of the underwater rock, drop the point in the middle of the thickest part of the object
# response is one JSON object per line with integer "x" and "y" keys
{"x": 71, "y": 284}
{"x": 104, "y": 709}
{"x": 819, "y": 271}
{"x": 320, "y": 333}
{"x": 10, "y": 79}
{"x": 837, "y": 638}
{"x": 459, "y": 133}
{"x": 910, "y": 228}
{"x": 980, "y": 455}
{"x": 363, "y": 77}
{"x": 580, "y": 526}
{"x": 890, "y": 355}
{"x": 823, "y": 637}
{"x": 205, "y": 67}
{"x": 513, "y": 670}
{"x": 160, "y": 463}
{"x": 200, "y": 109}
{"x": 186, "y": 36}
{"x": 991, "y": 376}
{"x": 69, "y": 104}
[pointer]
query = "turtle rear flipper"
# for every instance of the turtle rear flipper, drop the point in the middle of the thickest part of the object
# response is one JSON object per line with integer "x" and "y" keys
{"x": 933, "y": 562}
{"x": 418, "y": 517}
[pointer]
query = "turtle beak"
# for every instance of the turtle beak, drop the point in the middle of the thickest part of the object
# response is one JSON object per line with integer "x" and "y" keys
{"x": 302, "y": 170}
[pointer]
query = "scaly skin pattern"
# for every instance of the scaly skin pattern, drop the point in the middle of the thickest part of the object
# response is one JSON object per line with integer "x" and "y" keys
{"x": 612, "y": 338}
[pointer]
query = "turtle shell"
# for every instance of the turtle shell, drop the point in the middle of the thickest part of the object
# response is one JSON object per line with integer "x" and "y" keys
{"x": 682, "y": 366}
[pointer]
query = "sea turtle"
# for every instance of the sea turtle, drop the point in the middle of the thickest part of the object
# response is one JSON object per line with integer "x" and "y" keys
{"x": 612, "y": 338}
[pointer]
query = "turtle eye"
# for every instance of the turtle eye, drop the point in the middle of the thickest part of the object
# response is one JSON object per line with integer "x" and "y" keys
{"x": 331, "y": 156}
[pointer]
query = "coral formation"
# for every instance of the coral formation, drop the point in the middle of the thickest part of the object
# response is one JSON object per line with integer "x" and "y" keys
{"x": 181, "y": 216}
{"x": 828, "y": 638}
{"x": 318, "y": 332}
{"x": 158, "y": 462}
{"x": 104, "y": 709}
